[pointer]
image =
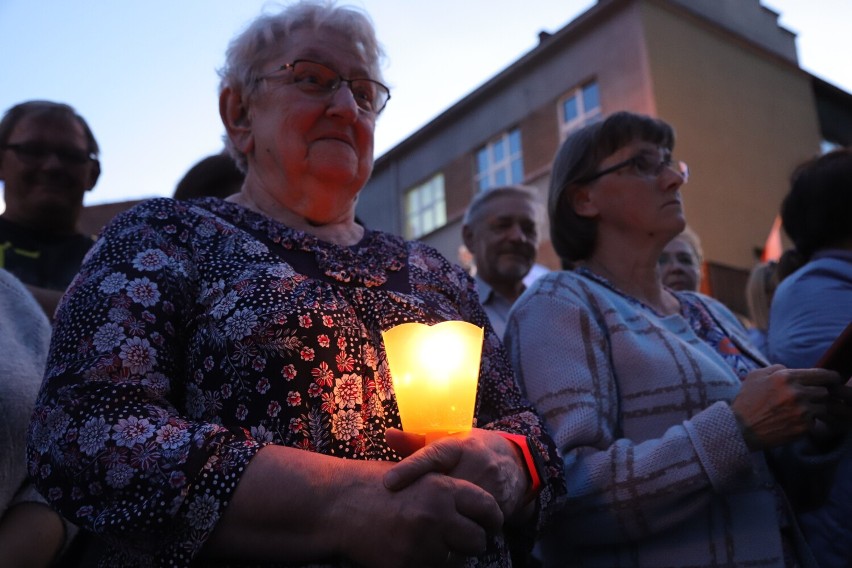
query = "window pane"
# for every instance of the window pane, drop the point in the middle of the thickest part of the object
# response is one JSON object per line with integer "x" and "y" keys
{"x": 426, "y": 195}
{"x": 431, "y": 222}
{"x": 517, "y": 171}
{"x": 411, "y": 201}
{"x": 500, "y": 177}
{"x": 514, "y": 142}
{"x": 591, "y": 97}
{"x": 441, "y": 214}
{"x": 482, "y": 160}
{"x": 570, "y": 109}
{"x": 483, "y": 183}
{"x": 426, "y": 208}
{"x": 437, "y": 190}
{"x": 413, "y": 228}
{"x": 499, "y": 150}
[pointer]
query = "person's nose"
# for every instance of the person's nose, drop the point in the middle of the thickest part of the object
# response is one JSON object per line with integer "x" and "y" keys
{"x": 517, "y": 234}
{"x": 668, "y": 263}
{"x": 51, "y": 161}
{"x": 672, "y": 179}
{"x": 343, "y": 103}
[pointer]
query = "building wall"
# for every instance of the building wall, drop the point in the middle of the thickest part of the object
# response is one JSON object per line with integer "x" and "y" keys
{"x": 744, "y": 113}
{"x": 608, "y": 49}
{"x": 744, "y": 119}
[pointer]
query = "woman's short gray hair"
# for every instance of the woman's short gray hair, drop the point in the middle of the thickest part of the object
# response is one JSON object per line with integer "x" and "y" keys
{"x": 261, "y": 41}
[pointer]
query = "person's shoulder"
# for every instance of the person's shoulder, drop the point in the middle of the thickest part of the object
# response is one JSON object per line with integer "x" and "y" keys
{"x": 13, "y": 230}
{"x": 561, "y": 285}
{"x": 716, "y": 308}
{"x": 569, "y": 280}
{"x": 812, "y": 282}
{"x": 161, "y": 209}
{"x": 13, "y": 288}
{"x": 699, "y": 297}
{"x": 828, "y": 268}
{"x": 19, "y": 309}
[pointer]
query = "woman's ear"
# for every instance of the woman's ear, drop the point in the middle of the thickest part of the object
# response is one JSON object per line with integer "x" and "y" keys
{"x": 583, "y": 203}
{"x": 236, "y": 118}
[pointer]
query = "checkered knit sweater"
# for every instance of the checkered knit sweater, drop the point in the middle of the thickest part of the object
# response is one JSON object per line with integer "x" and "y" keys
{"x": 657, "y": 471}
{"x": 24, "y": 338}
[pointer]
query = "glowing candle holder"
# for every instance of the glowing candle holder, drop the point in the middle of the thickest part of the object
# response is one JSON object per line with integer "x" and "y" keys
{"x": 435, "y": 371}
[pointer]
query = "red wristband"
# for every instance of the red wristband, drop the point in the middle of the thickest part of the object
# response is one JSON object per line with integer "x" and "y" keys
{"x": 532, "y": 470}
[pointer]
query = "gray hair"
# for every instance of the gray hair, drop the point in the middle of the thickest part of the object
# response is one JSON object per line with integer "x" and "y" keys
{"x": 483, "y": 197}
{"x": 261, "y": 42}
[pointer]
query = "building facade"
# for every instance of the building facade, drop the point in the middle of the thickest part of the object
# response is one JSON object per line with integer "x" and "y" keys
{"x": 722, "y": 72}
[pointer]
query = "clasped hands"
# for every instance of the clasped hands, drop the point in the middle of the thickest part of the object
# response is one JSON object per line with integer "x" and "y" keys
{"x": 483, "y": 471}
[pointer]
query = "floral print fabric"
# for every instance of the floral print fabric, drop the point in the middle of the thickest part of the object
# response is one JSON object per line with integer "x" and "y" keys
{"x": 197, "y": 333}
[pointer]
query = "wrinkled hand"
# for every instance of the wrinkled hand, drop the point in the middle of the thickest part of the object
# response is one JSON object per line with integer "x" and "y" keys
{"x": 776, "y": 404}
{"x": 432, "y": 521}
{"x": 479, "y": 456}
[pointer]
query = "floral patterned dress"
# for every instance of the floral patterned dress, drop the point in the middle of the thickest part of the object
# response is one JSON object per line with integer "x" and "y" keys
{"x": 197, "y": 333}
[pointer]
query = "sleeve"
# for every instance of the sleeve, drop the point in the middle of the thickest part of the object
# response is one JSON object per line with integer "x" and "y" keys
{"x": 111, "y": 445}
{"x": 618, "y": 490}
{"x": 809, "y": 310}
{"x": 500, "y": 405}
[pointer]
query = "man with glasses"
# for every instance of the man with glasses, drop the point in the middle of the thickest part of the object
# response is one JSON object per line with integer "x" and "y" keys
{"x": 48, "y": 160}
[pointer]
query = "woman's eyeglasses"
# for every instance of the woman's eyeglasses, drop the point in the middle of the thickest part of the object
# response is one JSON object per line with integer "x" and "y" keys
{"x": 35, "y": 153}
{"x": 646, "y": 165}
{"x": 321, "y": 81}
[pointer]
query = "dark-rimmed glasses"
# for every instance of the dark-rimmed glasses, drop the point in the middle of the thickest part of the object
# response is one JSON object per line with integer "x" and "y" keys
{"x": 319, "y": 80}
{"x": 647, "y": 165}
{"x": 34, "y": 153}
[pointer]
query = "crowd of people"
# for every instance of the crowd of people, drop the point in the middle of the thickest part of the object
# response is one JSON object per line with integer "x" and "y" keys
{"x": 206, "y": 384}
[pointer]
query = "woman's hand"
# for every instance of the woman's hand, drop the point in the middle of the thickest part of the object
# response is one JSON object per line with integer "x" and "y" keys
{"x": 776, "y": 404}
{"x": 479, "y": 456}
{"x": 434, "y": 521}
{"x": 296, "y": 506}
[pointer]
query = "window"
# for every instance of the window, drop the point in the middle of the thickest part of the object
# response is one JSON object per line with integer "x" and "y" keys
{"x": 425, "y": 208}
{"x": 580, "y": 107}
{"x": 500, "y": 162}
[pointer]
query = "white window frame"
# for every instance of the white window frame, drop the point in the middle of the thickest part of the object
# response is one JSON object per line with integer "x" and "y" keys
{"x": 510, "y": 165}
{"x": 584, "y": 115}
{"x": 425, "y": 207}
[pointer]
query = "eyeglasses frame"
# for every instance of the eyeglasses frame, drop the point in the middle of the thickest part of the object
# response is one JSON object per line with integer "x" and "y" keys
{"x": 20, "y": 150}
{"x": 340, "y": 80}
{"x": 682, "y": 169}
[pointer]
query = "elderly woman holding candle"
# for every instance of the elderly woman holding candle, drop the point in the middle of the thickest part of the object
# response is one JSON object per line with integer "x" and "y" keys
{"x": 660, "y": 406}
{"x": 218, "y": 387}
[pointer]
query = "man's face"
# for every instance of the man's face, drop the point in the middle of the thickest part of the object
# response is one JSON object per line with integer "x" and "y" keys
{"x": 46, "y": 172}
{"x": 503, "y": 239}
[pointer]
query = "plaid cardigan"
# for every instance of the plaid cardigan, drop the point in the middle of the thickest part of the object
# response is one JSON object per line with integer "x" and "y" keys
{"x": 657, "y": 470}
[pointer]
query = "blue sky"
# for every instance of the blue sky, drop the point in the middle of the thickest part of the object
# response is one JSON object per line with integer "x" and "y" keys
{"x": 144, "y": 73}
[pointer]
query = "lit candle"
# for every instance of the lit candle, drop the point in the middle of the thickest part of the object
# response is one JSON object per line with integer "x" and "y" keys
{"x": 435, "y": 371}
